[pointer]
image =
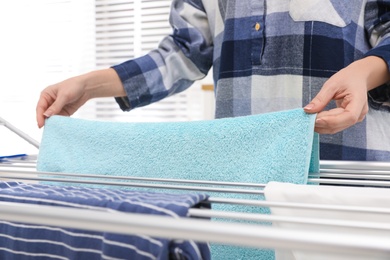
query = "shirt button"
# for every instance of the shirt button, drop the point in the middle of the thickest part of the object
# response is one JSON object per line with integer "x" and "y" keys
{"x": 257, "y": 26}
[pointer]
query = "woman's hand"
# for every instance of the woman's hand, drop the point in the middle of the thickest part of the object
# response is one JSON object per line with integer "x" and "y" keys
{"x": 348, "y": 88}
{"x": 66, "y": 97}
{"x": 63, "y": 98}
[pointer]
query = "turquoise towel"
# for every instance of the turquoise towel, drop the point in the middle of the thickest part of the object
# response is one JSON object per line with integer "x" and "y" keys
{"x": 279, "y": 146}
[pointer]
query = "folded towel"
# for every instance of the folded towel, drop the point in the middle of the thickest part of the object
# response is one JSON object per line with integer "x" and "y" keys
{"x": 20, "y": 241}
{"x": 257, "y": 148}
{"x": 329, "y": 195}
{"x": 279, "y": 146}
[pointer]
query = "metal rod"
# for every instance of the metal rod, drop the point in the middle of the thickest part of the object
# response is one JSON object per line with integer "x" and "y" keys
{"x": 290, "y": 219}
{"x": 308, "y": 206}
{"x": 355, "y": 165}
{"x": 19, "y": 132}
{"x": 13, "y": 165}
{"x": 197, "y": 229}
{"x": 355, "y": 171}
{"x": 140, "y": 185}
{"x": 131, "y": 178}
{"x": 350, "y": 176}
{"x": 350, "y": 182}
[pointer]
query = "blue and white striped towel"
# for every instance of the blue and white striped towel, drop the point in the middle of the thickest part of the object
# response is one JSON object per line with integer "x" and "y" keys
{"x": 27, "y": 241}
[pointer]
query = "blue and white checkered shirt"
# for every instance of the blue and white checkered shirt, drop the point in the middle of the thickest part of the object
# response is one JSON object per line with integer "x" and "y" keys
{"x": 268, "y": 56}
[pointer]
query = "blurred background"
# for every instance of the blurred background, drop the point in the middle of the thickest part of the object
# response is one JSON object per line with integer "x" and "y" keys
{"x": 46, "y": 41}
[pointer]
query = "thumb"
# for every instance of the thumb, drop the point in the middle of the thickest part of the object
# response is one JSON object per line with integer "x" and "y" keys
{"x": 319, "y": 102}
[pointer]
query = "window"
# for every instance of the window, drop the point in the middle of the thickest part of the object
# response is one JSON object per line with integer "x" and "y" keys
{"x": 128, "y": 29}
{"x": 46, "y": 41}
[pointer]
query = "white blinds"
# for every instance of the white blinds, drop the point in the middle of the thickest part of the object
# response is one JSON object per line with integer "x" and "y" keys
{"x": 115, "y": 34}
{"x": 128, "y": 29}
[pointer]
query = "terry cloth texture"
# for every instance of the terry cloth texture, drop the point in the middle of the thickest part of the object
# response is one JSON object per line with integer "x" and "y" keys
{"x": 277, "y": 146}
{"x": 29, "y": 241}
{"x": 373, "y": 198}
{"x": 258, "y": 148}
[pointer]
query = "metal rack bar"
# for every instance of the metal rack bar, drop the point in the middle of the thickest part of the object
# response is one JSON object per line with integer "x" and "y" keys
{"x": 20, "y": 133}
{"x": 131, "y": 178}
{"x": 355, "y": 165}
{"x": 350, "y": 182}
{"x": 290, "y": 219}
{"x": 133, "y": 184}
{"x": 197, "y": 229}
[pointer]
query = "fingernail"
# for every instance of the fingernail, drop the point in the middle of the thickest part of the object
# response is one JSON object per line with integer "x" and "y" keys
{"x": 48, "y": 113}
{"x": 309, "y": 106}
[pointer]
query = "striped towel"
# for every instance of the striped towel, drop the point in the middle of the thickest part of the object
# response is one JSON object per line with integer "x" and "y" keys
{"x": 26, "y": 241}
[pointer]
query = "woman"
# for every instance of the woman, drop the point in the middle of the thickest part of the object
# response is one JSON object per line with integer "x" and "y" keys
{"x": 332, "y": 57}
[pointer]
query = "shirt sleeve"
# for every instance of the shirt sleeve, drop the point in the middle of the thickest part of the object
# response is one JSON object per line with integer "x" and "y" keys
{"x": 378, "y": 28}
{"x": 377, "y": 25}
{"x": 180, "y": 59}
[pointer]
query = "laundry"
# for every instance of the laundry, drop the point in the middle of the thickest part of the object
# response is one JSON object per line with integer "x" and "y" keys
{"x": 339, "y": 197}
{"x": 19, "y": 239}
{"x": 279, "y": 146}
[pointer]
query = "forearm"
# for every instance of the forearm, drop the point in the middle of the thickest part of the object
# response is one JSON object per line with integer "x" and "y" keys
{"x": 102, "y": 83}
{"x": 373, "y": 69}
{"x": 180, "y": 59}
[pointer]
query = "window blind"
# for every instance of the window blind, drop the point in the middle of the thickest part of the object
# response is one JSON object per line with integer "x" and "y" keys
{"x": 128, "y": 29}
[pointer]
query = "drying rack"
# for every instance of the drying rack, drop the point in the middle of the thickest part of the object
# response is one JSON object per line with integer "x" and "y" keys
{"x": 357, "y": 175}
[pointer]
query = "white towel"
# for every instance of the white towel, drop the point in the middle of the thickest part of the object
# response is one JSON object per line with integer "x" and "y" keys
{"x": 328, "y": 195}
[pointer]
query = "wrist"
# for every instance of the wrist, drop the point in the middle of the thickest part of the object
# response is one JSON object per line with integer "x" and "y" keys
{"x": 374, "y": 69}
{"x": 102, "y": 83}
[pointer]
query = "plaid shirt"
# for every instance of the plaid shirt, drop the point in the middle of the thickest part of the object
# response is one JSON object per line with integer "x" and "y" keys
{"x": 268, "y": 56}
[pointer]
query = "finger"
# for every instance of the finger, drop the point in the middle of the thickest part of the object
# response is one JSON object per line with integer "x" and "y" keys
{"x": 42, "y": 105}
{"x": 319, "y": 102}
{"x": 326, "y": 121}
{"x": 336, "y": 120}
{"x": 328, "y": 126}
{"x": 331, "y": 112}
{"x": 39, "y": 115}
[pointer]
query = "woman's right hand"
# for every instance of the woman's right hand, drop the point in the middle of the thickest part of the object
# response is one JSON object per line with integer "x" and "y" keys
{"x": 63, "y": 98}
{"x": 66, "y": 97}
